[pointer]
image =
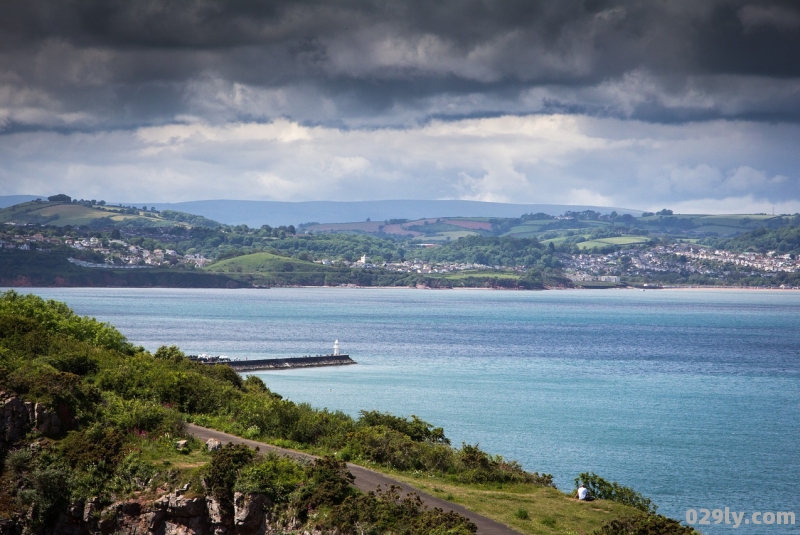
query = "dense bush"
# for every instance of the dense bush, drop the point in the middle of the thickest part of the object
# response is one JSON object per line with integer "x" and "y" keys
{"x": 96, "y": 445}
{"x": 416, "y": 429}
{"x": 53, "y": 317}
{"x": 327, "y": 483}
{"x": 387, "y": 512}
{"x": 223, "y": 470}
{"x": 644, "y": 525}
{"x": 276, "y": 477}
{"x": 605, "y": 490}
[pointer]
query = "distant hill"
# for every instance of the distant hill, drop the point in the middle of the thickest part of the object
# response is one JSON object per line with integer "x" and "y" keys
{"x": 95, "y": 216}
{"x": 274, "y": 213}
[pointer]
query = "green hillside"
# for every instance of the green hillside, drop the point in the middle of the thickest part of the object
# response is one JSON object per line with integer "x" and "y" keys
{"x": 265, "y": 263}
{"x": 267, "y": 269}
{"x": 61, "y": 214}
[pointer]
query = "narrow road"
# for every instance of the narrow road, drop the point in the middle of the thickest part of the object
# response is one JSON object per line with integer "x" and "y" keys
{"x": 366, "y": 480}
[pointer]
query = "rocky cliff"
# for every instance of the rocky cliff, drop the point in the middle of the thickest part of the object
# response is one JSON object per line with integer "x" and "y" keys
{"x": 175, "y": 513}
{"x": 19, "y": 417}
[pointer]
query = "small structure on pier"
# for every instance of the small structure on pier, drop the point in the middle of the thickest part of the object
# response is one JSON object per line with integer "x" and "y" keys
{"x": 336, "y": 348}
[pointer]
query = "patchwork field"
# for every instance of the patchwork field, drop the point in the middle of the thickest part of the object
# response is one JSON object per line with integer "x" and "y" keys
{"x": 62, "y": 214}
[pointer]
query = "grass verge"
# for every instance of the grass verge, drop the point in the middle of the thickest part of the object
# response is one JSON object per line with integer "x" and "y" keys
{"x": 525, "y": 508}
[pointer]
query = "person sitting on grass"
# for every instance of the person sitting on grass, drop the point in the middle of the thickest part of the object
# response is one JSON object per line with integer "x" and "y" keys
{"x": 583, "y": 493}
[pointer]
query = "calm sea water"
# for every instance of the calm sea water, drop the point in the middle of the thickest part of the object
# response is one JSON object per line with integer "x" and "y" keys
{"x": 691, "y": 397}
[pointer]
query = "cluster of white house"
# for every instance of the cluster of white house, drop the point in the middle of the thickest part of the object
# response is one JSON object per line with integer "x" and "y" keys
{"x": 419, "y": 266}
{"x": 772, "y": 261}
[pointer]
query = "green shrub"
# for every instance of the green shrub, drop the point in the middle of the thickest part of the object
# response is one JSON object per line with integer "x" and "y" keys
{"x": 18, "y": 460}
{"x": 385, "y": 512}
{"x": 276, "y": 477}
{"x": 254, "y": 384}
{"x": 74, "y": 363}
{"x": 473, "y": 458}
{"x": 644, "y": 525}
{"x": 223, "y": 373}
{"x": 221, "y": 473}
{"x": 386, "y": 446}
{"x": 522, "y": 514}
{"x": 142, "y": 415}
{"x": 41, "y": 382}
{"x": 56, "y": 317}
{"x": 132, "y": 474}
{"x": 171, "y": 353}
{"x": 46, "y": 493}
{"x": 327, "y": 483}
{"x": 477, "y": 466}
{"x": 605, "y": 490}
{"x": 97, "y": 445}
{"x": 415, "y": 428}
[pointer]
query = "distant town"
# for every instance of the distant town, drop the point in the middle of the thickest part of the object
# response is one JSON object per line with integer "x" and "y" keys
{"x": 611, "y": 268}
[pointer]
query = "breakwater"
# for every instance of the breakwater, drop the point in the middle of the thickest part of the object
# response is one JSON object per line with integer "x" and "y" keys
{"x": 289, "y": 363}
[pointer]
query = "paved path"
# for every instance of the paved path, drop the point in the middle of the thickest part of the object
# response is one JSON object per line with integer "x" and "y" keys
{"x": 366, "y": 480}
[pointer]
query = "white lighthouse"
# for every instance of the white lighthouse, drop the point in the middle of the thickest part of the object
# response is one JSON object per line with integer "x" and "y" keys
{"x": 336, "y": 347}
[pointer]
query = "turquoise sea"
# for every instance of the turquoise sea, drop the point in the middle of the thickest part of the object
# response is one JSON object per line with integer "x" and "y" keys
{"x": 691, "y": 397}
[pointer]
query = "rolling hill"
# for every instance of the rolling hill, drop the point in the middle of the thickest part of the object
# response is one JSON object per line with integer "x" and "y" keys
{"x": 274, "y": 213}
{"x": 266, "y": 269}
{"x": 76, "y": 214}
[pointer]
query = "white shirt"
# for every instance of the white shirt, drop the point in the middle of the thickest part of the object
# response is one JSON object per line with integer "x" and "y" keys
{"x": 582, "y": 492}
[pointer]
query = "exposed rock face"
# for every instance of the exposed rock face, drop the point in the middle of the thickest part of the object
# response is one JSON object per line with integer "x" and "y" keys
{"x": 248, "y": 516}
{"x": 171, "y": 514}
{"x": 47, "y": 423}
{"x": 213, "y": 444}
{"x": 17, "y": 417}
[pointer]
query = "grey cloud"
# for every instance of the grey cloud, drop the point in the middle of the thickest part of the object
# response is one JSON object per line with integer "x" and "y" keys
{"x": 555, "y": 159}
{"x": 116, "y": 63}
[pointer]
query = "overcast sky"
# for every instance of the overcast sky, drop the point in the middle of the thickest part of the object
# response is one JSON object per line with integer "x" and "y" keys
{"x": 687, "y": 104}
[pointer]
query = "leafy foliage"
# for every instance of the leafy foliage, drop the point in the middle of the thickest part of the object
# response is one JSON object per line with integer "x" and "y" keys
{"x": 605, "y": 490}
{"x": 223, "y": 471}
{"x": 386, "y": 511}
{"x": 416, "y": 429}
{"x": 644, "y": 525}
{"x": 784, "y": 240}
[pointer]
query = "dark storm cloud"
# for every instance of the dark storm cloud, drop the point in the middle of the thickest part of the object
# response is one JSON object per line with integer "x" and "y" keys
{"x": 112, "y": 63}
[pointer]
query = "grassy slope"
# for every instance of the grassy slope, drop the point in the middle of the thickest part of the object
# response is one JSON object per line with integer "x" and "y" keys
{"x": 265, "y": 263}
{"x": 61, "y": 214}
{"x": 619, "y": 240}
{"x": 266, "y": 269}
{"x": 549, "y": 510}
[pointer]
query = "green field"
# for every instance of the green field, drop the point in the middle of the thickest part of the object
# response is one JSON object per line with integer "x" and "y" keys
{"x": 62, "y": 214}
{"x": 443, "y": 236}
{"x": 461, "y": 275}
{"x": 619, "y": 240}
{"x": 265, "y": 263}
{"x": 548, "y": 510}
{"x": 722, "y": 224}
